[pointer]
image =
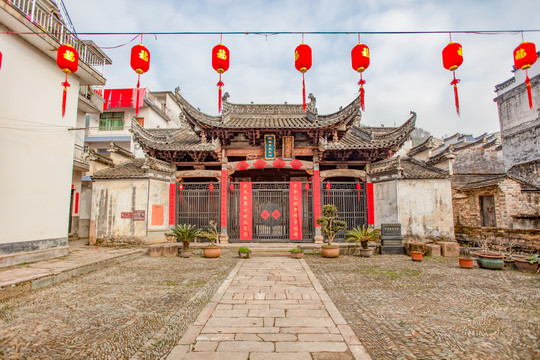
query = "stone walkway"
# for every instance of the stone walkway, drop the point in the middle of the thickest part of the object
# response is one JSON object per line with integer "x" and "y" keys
{"x": 270, "y": 308}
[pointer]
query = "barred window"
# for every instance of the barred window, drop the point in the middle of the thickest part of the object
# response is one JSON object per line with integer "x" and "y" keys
{"x": 111, "y": 121}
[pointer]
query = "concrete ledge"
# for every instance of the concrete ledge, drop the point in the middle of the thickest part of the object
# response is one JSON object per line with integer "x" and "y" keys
{"x": 33, "y": 282}
{"x": 33, "y": 256}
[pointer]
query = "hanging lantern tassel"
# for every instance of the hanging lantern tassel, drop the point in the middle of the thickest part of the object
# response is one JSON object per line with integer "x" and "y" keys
{"x": 219, "y": 84}
{"x": 138, "y": 92}
{"x": 65, "y": 84}
{"x": 361, "y": 83}
{"x": 303, "y": 92}
{"x": 529, "y": 93}
{"x": 456, "y": 98}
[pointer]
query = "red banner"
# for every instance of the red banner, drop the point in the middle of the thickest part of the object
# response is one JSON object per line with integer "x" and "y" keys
{"x": 106, "y": 96}
{"x": 316, "y": 196}
{"x": 172, "y": 203}
{"x": 370, "y": 211}
{"x": 115, "y": 98}
{"x": 127, "y": 95}
{"x": 223, "y": 198}
{"x": 295, "y": 210}
{"x": 245, "y": 211}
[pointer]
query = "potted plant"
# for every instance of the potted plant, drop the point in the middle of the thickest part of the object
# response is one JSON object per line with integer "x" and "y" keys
{"x": 297, "y": 253}
{"x": 212, "y": 250}
{"x": 489, "y": 260}
{"x": 509, "y": 262}
{"x": 244, "y": 252}
{"x": 417, "y": 255}
{"x": 363, "y": 234}
{"x": 466, "y": 261}
{"x": 185, "y": 233}
{"x": 529, "y": 264}
{"x": 330, "y": 227}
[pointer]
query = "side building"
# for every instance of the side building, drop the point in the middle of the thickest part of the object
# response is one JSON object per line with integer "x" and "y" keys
{"x": 37, "y": 144}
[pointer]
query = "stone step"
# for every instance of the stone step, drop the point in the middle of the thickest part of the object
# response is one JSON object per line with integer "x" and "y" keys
{"x": 392, "y": 250}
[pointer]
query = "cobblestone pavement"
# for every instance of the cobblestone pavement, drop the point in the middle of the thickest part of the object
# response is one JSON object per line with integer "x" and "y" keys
{"x": 401, "y": 309}
{"x": 135, "y": 310}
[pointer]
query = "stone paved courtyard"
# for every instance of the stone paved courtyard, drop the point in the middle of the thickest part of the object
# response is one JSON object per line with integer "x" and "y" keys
{"x": 398, "y": 309}
{"x": 137, "y": 309}
{"x": 401, "y": 309}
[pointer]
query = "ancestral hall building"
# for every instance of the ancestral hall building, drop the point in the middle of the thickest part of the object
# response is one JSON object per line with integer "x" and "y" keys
{"x": 263, "y": 173}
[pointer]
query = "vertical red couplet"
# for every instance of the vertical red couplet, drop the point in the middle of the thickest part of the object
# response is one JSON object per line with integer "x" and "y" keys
{"x": 172, "y": 203}
{"x": 224, "y": 198}
{"x": 245, "y": 211}
{"x": 370, "y": 210}
{"x": 316, "y": 196}
{"x": 295, "y": 206}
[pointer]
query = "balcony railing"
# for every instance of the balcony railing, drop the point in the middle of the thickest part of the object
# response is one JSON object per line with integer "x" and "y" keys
{"x": 79, "y": 154}
{"x": 62, "y": 31}
{"x": 87, "y": 91}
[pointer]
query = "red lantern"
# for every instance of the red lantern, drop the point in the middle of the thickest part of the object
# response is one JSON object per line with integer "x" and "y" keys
{"x": 302, "y": 63}
{"x": 307, "y": 191}
{"x": 328, "y": 187}
{"x": 67, "y": 59}
{"x": 220, "y": 63}
{"x": 358, "y": 188}
{"x": 211, "y": 188}
{"x": 180, "y": 188}
{"x": 140, "y": 63}
{"x": 452, "y": 56}
{"x": 360, "y": 62}
{"x": 307, "y": 186}
{"x": 231, "y": 188}
{"x": 524, "y": 56}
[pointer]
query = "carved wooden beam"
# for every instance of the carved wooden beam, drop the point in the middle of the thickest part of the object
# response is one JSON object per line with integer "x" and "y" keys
{"x": 197, "y": 173}
{"x": 343, "y": 173}
{"x": 233, "y": 166}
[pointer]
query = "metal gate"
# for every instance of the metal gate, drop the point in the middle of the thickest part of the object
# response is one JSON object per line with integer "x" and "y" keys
{"x": 196, "y": 204}
{"x": 350, "y": 201}
{"x": 271, "y": 213}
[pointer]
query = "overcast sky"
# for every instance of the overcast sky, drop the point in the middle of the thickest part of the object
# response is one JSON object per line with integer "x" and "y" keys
{"x": 405, "y": 74}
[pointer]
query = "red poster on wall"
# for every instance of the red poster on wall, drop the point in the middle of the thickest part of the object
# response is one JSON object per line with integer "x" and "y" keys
{"x": 76, "y": 203}
{"x": 370, "y": 210}
{"x": 245, "y": 211}
{"x": 172, "y": 203}
{"x": 223, "y": 198}
{"x": 316, "y": 196}
{"x": 295, "y": 207}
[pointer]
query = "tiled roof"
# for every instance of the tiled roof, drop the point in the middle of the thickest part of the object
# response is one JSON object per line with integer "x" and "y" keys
{"x": 373, "y": 137}
{"x": 425, "y": 145}
{"x": 407, "y": 168}
{"x": 268, "y": 116}
{"x": 134, "y": 169}
{"x": 476, "y": 181}
{"x": 183, "y": 139}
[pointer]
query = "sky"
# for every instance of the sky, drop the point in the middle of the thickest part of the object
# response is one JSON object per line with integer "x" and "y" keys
{"x": 405, "y": 74}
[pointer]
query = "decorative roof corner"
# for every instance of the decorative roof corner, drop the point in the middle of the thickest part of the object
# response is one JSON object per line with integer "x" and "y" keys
{"x": 102, "y": 159}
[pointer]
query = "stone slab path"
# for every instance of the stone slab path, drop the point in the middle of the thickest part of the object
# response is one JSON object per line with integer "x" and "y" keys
{"x": 270, "y": 308}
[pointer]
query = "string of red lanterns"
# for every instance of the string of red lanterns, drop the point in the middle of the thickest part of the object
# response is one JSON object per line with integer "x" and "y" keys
{"x": 524, "y": 57}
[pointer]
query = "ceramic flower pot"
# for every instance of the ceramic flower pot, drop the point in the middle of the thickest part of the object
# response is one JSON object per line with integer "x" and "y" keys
{"x": 466, "y": 263}
{"x": 526, "y": 266}
{"x": 366, "y": 252}
{"x": 416, "y": 255}
{"x": 297, "y": 255}
{"x": 330, "y": 251}
{"x": 212, "y": 251}
{"x": 490, "y": 261}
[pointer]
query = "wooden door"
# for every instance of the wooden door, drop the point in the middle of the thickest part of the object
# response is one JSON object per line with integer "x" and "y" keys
{"x": 487, "y": 208}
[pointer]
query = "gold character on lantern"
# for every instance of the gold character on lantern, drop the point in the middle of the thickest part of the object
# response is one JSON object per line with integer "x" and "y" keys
{"x": 69, "y": 55}
{"x": 460, "y": 51}
{"x": 143, "y": 55}
{"x": 520, "y": 54}
{"x": 222, "y": 54}
{"x": 365, "y": 52}
{"x": 296, "y": 56}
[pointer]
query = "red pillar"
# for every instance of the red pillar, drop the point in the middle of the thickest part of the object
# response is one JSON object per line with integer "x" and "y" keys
{"x": 172, "y": 203}
{"x": 370, "y": 210}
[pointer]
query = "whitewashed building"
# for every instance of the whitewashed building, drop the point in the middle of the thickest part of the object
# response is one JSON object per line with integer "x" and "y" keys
{"x": 37, "y": 144}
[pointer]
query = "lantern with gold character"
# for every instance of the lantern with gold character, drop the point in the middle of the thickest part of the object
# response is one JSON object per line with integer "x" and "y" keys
{"x": 220, "y": 63}
{"x": 67, "y": 59}
{"x": 360, "y": 62}
{"x": 302, "y": 63}
{"x": 524, "y": 56}
{"x": 452, "y": 56}
{"x": 140, "y": 63}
